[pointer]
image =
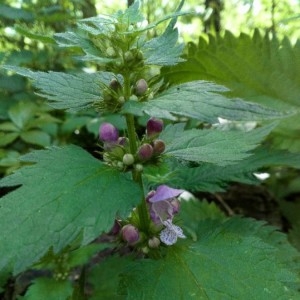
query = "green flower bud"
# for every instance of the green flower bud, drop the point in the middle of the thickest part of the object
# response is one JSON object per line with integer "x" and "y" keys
{"x": 141, "y": 87}
{"x": 128, "y": 159}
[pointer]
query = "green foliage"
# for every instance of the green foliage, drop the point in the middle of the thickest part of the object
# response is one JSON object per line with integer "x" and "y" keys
{"x": 213, "y": 178}
{"x": 212, "y": 146}
{"x": 240, "y": 248}
{"x": 257, "y": 68}
{"x": 201, "y": 100}
{"x": 71, "y": 214}
{"x": 54, "y": 289}
{"x": 67, "y": 192}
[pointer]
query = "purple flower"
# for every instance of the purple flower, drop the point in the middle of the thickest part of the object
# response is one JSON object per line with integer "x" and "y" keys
{"x": 108, "y": 133}
{"x": 163, "y": 204}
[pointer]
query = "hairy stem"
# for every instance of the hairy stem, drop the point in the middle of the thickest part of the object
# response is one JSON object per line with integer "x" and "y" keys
{"x": 137, "y": 177}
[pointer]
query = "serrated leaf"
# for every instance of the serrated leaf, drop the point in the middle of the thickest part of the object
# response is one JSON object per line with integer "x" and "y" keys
{"x": 163, "y": 50}
{"x": 54, "y": 289}
{"x": 258, "y": 69}
{"x": 65, "y": 193}
{"x": 67, "y": 91}
{"x": 204, "y": 101}
{"x": 212, "y": 146}
{"x": 212, "y": 178}
{"x": 234, "y": 259}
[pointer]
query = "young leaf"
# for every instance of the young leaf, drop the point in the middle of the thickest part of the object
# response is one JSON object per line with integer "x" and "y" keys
{"x": 202, "y": 100}
{"x": 212, "y": 146}
{"x": 232, "y": 259}
{"x": 67, "y": 91}
{"x": 65, "y": 193}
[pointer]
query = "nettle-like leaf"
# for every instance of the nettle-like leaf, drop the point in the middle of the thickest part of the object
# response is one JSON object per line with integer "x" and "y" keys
{"x": 212, "y": 178}
{"x": 72, "y": 92}
{"x": 210, "y": 145}
{"x": 204, "y": 101}
{"x": 258, "y": 69}
{"x": 232, "y": 259}
{"x": 65, "y": 193}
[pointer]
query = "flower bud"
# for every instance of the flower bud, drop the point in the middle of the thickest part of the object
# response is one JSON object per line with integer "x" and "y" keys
{"x": 154, "y": 127}
{"x": 128, "y": 159}
{"x": 145, "y": 152}
{"x": 114, "y": 84}
{"x": 130, "y": 234}
{"x": 139, "y": 167}
{"x": 108, "y": 133}
{"x": 158, "y": 147}
{"x": 123, "y": 141}
{"x": 154, "y": 242}
{"x": 128, "y": 56}
{"x": 141, "y": 87}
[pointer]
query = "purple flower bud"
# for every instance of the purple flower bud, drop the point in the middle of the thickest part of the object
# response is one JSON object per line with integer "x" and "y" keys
{"x": 108, "y": 133}
{"x": 123, "y": 141}
{"x": 154, "y": 242}
{"x": 130, "y": 234}
{"x": 154, "y": 127}
{"x": 145, "y": 152}
{"x": 158, "y": 147}
{"x": 141, "y": 87}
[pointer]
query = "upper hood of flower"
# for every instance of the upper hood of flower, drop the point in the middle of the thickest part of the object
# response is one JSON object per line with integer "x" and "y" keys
{"x": 163, "y": 192}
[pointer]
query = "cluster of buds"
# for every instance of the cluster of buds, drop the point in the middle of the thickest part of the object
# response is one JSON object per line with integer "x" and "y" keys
{"x": 163, "y": 205}
{"x": 117, "y": 151}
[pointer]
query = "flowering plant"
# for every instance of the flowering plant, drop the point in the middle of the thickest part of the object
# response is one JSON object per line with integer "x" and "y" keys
{"x": 119, "y": 220}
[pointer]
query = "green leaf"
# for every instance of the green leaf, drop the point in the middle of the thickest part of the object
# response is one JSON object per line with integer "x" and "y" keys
{"x": 202, "y": 100}
{"x": 67, "y": 91}
{"x": 259, "y": 69}
{"x": 54, "y": 289}
{"x": 232, "y": 259}
{"x": 213, "y": 178}
{"x": 13, "y": 13}
{"x": 163, "y": 50}
{"x": 21, "y": 113}
{"x": 36, "y": 137}
{"x": 24, "y": 31}
{"x": 105, "y": 278}
{"x": 7, "y": 138}
{"x": 210, "y": 145}
{"x": 66, "y": 193}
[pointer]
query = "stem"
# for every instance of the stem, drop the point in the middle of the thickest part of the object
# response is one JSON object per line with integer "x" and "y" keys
{"x": 137, "y": 177}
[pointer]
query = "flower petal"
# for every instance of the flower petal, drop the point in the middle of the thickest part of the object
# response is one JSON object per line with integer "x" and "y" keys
{"x": 163, "y": 192}
{"x": 170, "y": 234}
